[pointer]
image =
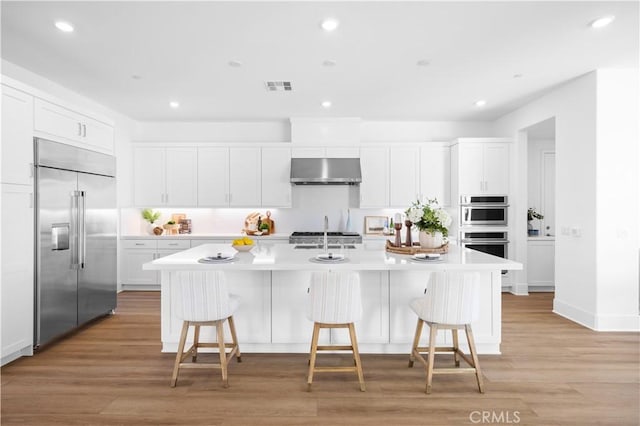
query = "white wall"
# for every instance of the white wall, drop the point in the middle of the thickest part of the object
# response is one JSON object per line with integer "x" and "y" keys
{"x": 580, "y": 108}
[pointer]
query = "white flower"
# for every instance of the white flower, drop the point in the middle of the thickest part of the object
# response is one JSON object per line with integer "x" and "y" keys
{"x": 443, "y": 217}
{"x": 414, "y": 214}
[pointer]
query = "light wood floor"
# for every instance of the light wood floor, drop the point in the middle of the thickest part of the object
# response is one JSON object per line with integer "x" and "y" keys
{"x": 551, "y": 372}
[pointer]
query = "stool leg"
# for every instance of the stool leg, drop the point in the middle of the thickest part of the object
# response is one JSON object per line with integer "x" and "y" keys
{"x": 416, "y": 342}
{"x": 314, "y": 351}
{"x": 456, "y": 357}
{"x": 433, "y": 329}
{"x": 474, "y": 356}
{"x": 223, "y": 353}
{"x": 356, "y": 355}
{"x": 176, "y": 365}
{"x": 196, "y": 339}
{"x": 232, "y": 328}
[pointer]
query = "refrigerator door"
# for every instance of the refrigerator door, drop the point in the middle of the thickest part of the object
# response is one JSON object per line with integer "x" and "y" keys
{"x": 56, "y": 275}
{"x": 97, "y": 246}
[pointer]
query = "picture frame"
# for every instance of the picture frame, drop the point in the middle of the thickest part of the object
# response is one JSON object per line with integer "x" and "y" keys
{"x": 374, "y": 225}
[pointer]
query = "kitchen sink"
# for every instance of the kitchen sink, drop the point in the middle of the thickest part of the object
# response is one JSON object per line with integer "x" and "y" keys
{"x": 319, "y": 246}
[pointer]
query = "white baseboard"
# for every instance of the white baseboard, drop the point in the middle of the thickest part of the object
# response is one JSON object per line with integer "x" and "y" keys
{"x": 520, "y": 289}
{"x": 596, "y": 322}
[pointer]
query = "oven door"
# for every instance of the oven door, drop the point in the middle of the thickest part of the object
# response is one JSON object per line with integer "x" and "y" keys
{"x": 483, "y": 215}
{"x": 494, "y": 247}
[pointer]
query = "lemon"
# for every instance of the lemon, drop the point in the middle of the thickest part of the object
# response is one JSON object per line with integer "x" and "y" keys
{"x": 238, "y": 242}
{"x": 247, "y": 241}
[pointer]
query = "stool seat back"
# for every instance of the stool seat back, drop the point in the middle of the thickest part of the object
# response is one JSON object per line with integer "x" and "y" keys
{"x": 204, "y": 296}
{"x": 335, "y": 297}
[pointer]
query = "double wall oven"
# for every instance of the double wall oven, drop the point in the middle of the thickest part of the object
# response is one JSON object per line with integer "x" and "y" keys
{"x": 484, "y": 224}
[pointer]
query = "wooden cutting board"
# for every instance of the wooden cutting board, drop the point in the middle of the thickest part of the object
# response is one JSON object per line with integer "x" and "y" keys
{"x": 270, "y": 222}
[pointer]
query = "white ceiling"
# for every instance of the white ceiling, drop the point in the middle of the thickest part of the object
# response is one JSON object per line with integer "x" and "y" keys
{"x": 181, "y": 51}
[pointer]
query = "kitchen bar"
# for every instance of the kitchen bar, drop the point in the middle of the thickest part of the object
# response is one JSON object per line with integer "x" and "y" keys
{"x": 272, "y": 281}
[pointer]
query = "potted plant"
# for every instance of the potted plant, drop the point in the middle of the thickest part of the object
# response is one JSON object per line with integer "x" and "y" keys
{"x": 264, "y": 227}
{"x": 431, "y": 220}
{"x": 531, "y": 215}
{"x": 151, "y": 217}
{"x": 171, "y": 227}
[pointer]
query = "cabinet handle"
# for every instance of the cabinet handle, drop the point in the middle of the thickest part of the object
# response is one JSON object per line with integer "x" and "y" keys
{"x": 84, "y": 130}
{"x": 173, "y": 244}
{"x": 139, "y": 244}
{"x": 79, "y": 129}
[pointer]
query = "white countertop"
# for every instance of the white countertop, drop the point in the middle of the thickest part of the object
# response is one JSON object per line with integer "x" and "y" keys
{"x": 272, "y": 256}
{"x": 221, "y": 236}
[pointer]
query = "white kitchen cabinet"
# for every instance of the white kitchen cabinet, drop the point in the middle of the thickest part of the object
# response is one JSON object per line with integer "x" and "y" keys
{"x": 403, "y": 176}
{"x": 244, "y": 177}
{"x": 435, "y": 173}
{"x": 165, "y": 176}
{"x": 290, "y": 301}
{"x": 374, "y": 189}
{"x": 253, "y": 317}
{"x": 540, "y": 263}
{"x": 17, "y": 136}
{"x": 483, "y": 168}
{"x": 137, "y": 252}
{"x": 325, "y": 152}
{"x": 68, "y": 126}
{"x": 213, "y": 177}
{"x": 276, "y": 175}
{"x": 17, "y": 269}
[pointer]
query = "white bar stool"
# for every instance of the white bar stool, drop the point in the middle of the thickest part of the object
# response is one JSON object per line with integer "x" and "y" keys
{"x": 335, "y": 302}
{"x": 451, "y": 302}
{"x": 206, "y": 301}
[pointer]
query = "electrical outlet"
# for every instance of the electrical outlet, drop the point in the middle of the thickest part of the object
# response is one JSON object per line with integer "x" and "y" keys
{"x": 565, "y": 230}
{"x": 576, "y": 232}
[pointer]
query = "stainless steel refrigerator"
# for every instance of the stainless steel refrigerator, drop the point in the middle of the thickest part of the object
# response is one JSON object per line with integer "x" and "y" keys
{"x": 76, "y": 226}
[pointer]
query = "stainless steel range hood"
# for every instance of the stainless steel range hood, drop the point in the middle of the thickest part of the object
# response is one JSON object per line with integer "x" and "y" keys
{"x": 325, "y": 171}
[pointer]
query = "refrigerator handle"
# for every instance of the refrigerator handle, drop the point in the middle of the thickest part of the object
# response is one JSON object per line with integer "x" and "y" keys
{"x": 82, "y": 235}
{"x": 74, "y": 230}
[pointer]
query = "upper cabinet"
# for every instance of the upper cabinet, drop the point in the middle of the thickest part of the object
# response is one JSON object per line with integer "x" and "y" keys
{"x": 482, "y": 167}
{"x": 67, "y": 126}
{"x": 276, "y": 175}
{"x": 403, "y": 175}
{"x": 374, "y": 189}
{"x": 325, "y": 152}
{"x": 165, "y": 176}
{"x": 17, "y": 136}
{"x": 435, "y": 173}
{"x": 213, "y": 177}
{"x": 244, "y": 177}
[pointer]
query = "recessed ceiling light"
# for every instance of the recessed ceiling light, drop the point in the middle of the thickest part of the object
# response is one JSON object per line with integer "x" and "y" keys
{"x": 65, "y": 27}
{"x": 329, "y": 24}
{"x": 174, "y": 104}
{"x": 517, "y": 75}
{"x": 602, "y": 22}
{"x": 423, "y": 63}
{"x": 329, "y": 63}
{"x": 136, "y": 77}
{"x": 235, "y": 63}
{"x": 326, "y": 104}
{"x": 480, "y": 103}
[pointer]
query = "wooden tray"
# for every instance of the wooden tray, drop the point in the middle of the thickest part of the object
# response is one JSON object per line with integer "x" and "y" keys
{"x": 390, "y": 247}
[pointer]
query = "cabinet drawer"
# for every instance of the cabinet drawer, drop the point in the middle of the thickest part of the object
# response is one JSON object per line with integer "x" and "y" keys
{"x": 139, "y": 244}
{"x": 174, "y": 244}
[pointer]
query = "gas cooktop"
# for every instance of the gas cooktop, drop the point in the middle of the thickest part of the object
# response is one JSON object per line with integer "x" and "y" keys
{"x": 333, "y": 237}
{"x": 320, "y": 233}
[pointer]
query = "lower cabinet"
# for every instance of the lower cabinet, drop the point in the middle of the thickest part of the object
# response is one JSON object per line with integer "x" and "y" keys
{"x": 541, "y": 264}
{"x": 289, "y": 309}
{"x": 135, "y": 253}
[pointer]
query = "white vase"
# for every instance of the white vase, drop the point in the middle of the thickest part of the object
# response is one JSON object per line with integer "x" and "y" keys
{"x": 151, "y": 226}
{"x": 429, "y": 240}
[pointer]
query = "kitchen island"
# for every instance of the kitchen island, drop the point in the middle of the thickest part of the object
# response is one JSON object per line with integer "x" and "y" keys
{"x": 273, "y": 278}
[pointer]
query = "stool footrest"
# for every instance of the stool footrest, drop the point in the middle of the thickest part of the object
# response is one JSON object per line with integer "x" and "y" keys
{"x": 335, "y": 348}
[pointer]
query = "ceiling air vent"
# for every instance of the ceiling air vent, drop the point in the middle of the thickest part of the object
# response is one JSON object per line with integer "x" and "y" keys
{"x": 278, "y": 86}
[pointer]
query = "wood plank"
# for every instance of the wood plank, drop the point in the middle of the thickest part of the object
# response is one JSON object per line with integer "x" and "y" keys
{"x": 552, "y": 372}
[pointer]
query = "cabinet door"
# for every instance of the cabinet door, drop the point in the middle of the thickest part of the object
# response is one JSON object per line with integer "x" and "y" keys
{"x": 276, "y": 175}
{"x": 470, "y": 169}
{"x": 540, "y": 263}
{"x": 435, "y": 173}
{"x": 148, "y": 176}
{"x": 496, "y": 168}
{"x": 97, "y": 134}
{"x": 213, "y": 177}
{"x": 17, "y": 137}
{"x": 289, "y": 301}
{"x": 131, "y": 266}
{"x": 374, "y": 189}
{"x": 374, "y": 325}
{"x": 57, "y": 121}
{"x": 244, "y": 177}
{"x": 181, "y": 177}
{"x": 17, "y": 270}
{"x": 403, "y": 176}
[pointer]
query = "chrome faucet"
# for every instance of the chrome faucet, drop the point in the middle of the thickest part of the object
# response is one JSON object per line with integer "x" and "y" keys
{"x": 325, "y": 244}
